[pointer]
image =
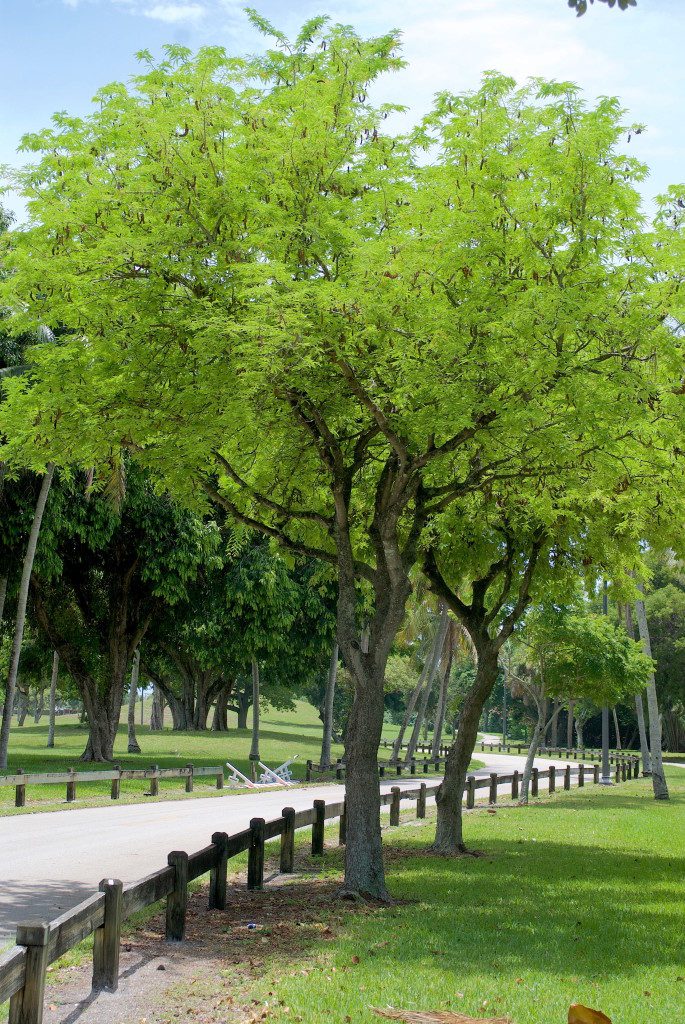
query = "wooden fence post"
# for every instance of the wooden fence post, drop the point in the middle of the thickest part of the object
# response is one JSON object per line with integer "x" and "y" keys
{"x": 493, "y": 788}
{"x": 177, "y": 900}
{"x": 595, "y": 773}
{"x": 552, "y": 779}
{"x": 617, "y": 771}
{"x": 20, "y": 792}
{"x": 470, "y": 791}
{"x": 116, "y": 783}
{"x": 189, "y": 779}
{"x": 217, "y": 875}
{"x": 421, "y": 801}
{"x": 154, "y": 781}
{"x": 581, "y": 775}
{"x": 71, "y": 787}
{"x": 220, "y": 779}
{"x": 535, "y": 782}
{"x": 381, "y": 771}
{"x": 308, "y": 773}
{"x": 624, "y": 771}
{"x": 255, "y": 856}
{"x": 26, "y": 1005}
{"x": 318, "y": 827}
{"x": 425, "y": 767}
{"x": 636, "y": 767}
{"x": 395, "y": 806}
{"x": 339, "y": 772}
{"x": 107, "y": 938}
{"x": 515, "y": 785}
{"x": 288, "y": 841}
{"x": 567, "y": 777}
{"x": 342, "y": 834}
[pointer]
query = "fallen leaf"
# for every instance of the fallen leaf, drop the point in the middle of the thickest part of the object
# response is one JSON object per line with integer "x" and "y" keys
{"x": 437, "y": 1017}
{"x": 578, "y": 1014}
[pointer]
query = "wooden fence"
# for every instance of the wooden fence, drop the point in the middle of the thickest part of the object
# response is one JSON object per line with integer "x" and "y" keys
{"x": 116, "y": 775}
{"x": 23, "y": 968}
{"x": 385, "y": 768}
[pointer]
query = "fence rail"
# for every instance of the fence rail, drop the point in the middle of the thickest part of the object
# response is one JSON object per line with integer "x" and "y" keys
{"x": 116, "y": 775}
{"x": 23, "y": 967}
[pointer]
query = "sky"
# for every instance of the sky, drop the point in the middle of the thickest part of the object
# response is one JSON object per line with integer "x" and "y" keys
{"x": 55, "y": 54}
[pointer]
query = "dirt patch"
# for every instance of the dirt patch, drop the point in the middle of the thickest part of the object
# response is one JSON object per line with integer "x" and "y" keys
{"x": 208, "y": 978}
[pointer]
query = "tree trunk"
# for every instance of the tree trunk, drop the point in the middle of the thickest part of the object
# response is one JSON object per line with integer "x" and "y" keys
{"x": 442, "y": 697}
{"x": 328, "y": 708}
{"x": 39, "y": 707}
{"x": 555, "y": 724}
{"x": 448, "y": 833}
{"x": 23, "y": 706}
{"x": 133, "y": 745}
{"x": 429, "y": 665}
{"x": 3, "y": 595}
{"x": 639, "y": 707}
{"x": 53, "y": 698}
{"x": 569, "y": 724}
{"x": 617, "y": 730}
{"x": 20, "y": 620}
{"x": 658, "y": 778}
{"x": 243, "y": 706}
{"x": 579, "y": 734}
{"x": 254, "y": 747}
{"x": 437, "y": 652}
{"x": 157, "y": 710}
{"x": 538, "y": 732}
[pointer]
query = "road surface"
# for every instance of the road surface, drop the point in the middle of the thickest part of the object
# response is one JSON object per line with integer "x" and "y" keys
{"x": 51, "y": 861}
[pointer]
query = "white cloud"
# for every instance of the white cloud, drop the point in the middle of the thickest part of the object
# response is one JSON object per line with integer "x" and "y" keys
{"x": 175, "y": 14}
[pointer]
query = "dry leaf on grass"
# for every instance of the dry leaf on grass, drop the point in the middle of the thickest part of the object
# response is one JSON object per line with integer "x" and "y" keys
{"x": 578, "y": 1014}
{"x": 437, "y": 1017}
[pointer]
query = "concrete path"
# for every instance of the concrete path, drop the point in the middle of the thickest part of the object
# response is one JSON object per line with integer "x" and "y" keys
{"x": 51, "y": 861}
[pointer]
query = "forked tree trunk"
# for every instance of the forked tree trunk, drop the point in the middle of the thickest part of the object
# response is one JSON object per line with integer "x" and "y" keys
{"x": 449, "y": 829}
{"x": 22, "y": 600}
{"x": 53, "y": 698}
{"x": 658, "y": 778}
{"x": 254, "y": 747}
{"x": 438, "y": 648}
{"x": 329, "y": 698}
{"x": 133, "y": 745}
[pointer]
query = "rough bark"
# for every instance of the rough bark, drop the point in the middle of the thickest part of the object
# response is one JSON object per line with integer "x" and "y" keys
{"x": 20, "y": 620}
{"x": 443, "y": 626}
{"x": 659, "y": 784}
{"x": 449, "y": 831}
{"x": 329, "y": 697}
{"x": 53, "y": 698}
{"x": 133, "y": 745}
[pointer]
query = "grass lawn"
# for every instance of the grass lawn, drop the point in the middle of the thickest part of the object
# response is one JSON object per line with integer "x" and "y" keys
{"x": 581, "y": 898}
{"x": 284, "y": 734}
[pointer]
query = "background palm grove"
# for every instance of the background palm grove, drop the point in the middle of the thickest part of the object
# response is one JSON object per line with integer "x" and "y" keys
{"x": 303, "y": 401}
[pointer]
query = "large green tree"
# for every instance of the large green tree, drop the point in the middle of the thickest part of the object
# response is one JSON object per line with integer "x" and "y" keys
{"x": 338, "y": 341}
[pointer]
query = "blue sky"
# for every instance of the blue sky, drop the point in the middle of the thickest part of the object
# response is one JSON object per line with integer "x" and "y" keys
{"x": 56, "y": 53}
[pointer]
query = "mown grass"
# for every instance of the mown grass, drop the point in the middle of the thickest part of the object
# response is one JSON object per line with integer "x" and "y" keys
{"x": 578, "y": 898}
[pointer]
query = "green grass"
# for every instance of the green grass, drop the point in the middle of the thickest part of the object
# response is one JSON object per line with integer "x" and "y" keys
{"x": 284, "y": 734}
{"x": 577, "y": 899}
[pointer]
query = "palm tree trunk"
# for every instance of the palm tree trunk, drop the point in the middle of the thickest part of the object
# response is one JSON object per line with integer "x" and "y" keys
{"x": 442, "y": 698}
{"x": 658, "y": 778}
{"x": 538, "y": 732}
{"x": 3, "y": 595}
{"x": 617, "y": 730}
{"x": 328, "y": 708}
{"x": 53, "y": 698}
{"x": 569, "y": 724}
{"x": 20, "y": 620}
{"x": 254, "y": 748}
{"x": 639, "y": 706}
{"x": 133, "y": 745}
{"x": 438, "y": 650}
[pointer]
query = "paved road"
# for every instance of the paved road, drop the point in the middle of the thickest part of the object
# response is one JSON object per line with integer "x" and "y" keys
{"x": 49, "y": 862}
